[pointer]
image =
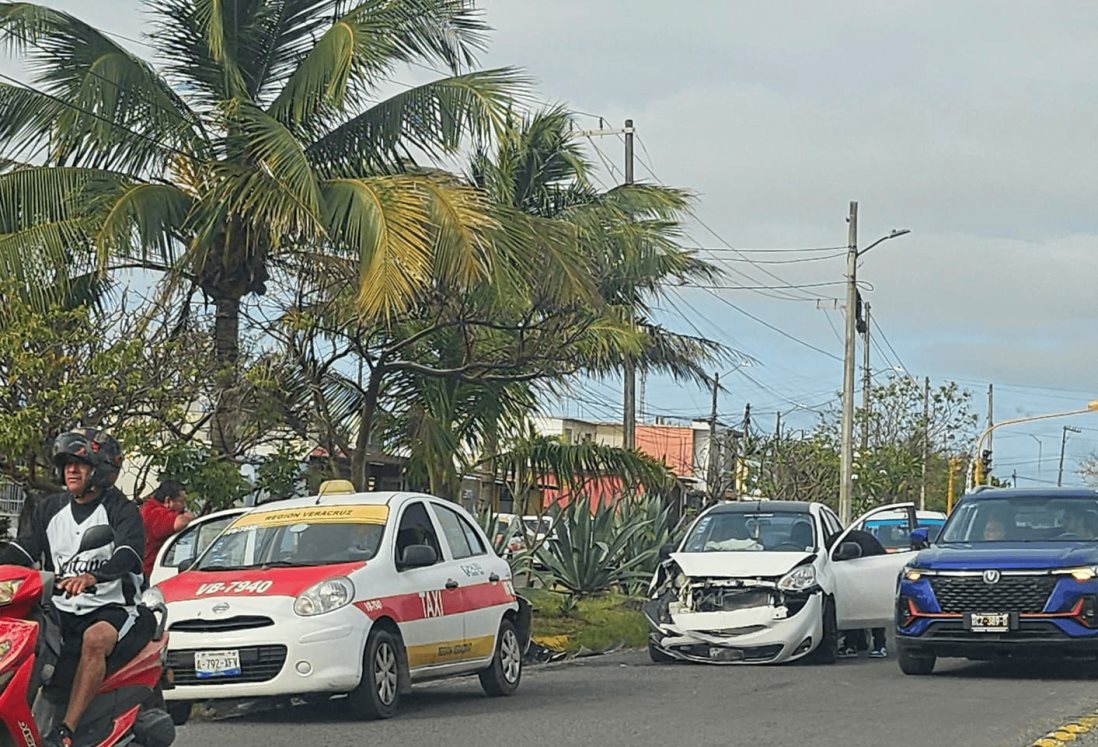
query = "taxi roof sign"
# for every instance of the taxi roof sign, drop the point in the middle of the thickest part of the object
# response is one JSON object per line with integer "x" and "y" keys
{"x": 336, "y": 487}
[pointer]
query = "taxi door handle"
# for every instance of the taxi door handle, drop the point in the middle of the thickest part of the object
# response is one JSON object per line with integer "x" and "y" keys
{"x": 451, "y": 584}
{"x": 494, "y": 578}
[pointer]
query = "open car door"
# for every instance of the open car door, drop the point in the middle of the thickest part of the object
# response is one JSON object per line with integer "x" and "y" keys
{"x": 865, "y": 587}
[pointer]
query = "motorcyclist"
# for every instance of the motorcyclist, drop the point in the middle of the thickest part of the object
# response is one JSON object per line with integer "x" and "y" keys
{"x": 98, "y": 611}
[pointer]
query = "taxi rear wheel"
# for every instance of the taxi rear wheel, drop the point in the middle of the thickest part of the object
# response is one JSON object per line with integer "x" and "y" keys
{"x": 378, "y": 694}
{"x": 505, "y": 672}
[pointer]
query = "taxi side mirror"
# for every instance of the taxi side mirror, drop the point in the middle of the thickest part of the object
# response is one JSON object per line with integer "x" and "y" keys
{"x": 665, "y": 551}
{"x": 418, "y": 556}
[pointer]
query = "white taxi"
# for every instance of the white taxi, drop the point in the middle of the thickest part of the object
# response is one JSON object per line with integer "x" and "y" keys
{"x": 356, "y": 593}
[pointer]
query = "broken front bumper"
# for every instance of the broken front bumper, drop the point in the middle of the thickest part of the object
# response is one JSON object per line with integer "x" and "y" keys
{"x": 757, "y": 635}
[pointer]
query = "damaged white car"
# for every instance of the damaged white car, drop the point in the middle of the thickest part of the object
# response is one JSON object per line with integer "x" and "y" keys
{"x": 758, "y": 582}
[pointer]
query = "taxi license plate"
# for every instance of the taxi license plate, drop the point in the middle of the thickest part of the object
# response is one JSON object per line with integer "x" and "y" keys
{"x": 983, "y": 622}
{"x": 209, "y": 664}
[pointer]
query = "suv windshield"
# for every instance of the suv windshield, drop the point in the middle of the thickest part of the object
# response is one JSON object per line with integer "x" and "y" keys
{"x": 299, "y": 537}
{"x": 1030, "y": 519}
{"x": 740, "y": 531}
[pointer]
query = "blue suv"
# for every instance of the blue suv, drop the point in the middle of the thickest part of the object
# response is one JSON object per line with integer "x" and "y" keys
{"x": 1013, "y": 573}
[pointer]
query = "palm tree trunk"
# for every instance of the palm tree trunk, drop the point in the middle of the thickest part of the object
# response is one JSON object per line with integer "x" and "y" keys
{"x": 360, "y": 458}
{"x": 226, "y": 356}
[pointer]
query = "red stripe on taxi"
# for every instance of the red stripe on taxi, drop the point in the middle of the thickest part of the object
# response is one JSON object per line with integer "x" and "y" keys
{"x": 271, "y": 582}
{"x": 422, "y": 605}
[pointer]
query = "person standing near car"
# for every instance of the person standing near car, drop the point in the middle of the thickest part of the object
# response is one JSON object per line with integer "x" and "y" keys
{"x": 854, "y": 641}
{"x": 164, "y": 513}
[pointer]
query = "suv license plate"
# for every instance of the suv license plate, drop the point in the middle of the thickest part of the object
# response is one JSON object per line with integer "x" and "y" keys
{"x": 983, "y": 622}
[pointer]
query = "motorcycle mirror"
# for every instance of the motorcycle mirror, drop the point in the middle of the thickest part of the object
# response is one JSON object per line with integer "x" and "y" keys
{"x": 96, "y": 537}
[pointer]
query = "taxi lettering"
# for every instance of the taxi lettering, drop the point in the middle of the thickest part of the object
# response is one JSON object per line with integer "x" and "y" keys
{"x": 462, "y": 648}
{"x": 432, "y": 603}
{"x": 234, "y": 587}
{"x": 373, "y": 605}
{"x": 472, "y": 570}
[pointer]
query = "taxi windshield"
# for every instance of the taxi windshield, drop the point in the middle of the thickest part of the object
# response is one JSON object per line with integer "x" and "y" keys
{"x": 740, "y": 531}
{"x": 1037, "y": 519}
{"x": 297, "y": 538}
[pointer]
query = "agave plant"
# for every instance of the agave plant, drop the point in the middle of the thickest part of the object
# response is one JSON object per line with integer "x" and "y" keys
{"x": 652, "y": 512}
{"x": 595, "y": 551}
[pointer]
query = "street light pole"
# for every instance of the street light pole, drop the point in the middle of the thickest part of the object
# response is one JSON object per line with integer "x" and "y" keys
{"x": 846, "y": 478}
{"x": 1091, "y": 407}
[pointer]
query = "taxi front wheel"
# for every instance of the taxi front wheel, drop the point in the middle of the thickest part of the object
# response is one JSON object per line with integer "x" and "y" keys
{"x": 378, "y": 694}
{"x": 505, "y": 672}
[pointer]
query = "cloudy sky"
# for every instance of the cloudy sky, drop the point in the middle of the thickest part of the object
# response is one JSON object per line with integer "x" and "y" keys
{"x": 970, "y": 123}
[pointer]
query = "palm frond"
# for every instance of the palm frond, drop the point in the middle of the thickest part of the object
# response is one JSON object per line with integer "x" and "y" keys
{"x": 433, "y": 118}
{"x": 107, "y": 93}
{"x": 143, "y": 220}
{"x": 366, "y": 43}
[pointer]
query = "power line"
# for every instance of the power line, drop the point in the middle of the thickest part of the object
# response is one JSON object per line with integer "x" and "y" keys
{"x": 772, "y": 261}
{"x": 770, "y": 326}
{"x": 884, "y": 337}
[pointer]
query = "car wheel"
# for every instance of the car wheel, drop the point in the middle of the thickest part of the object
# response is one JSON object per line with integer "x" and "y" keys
{"x": 827, "y": 651}
{"x": 502, "y": 677}
{"x": 915, "y": 663}
{"x": 658, "y": 656}
{"x": 179, "y": 710}
{"x": 378, "y": 694}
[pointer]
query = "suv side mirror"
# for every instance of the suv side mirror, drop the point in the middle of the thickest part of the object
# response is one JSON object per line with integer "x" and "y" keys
{"x": 848, "y": 551}
{"x": 418, "y": 556}
{"x": 920, "y": 538}
{"x": 96, "y": 537}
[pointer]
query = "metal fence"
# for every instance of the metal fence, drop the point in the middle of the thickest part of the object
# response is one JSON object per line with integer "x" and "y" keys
{"x": 11, "y": 503}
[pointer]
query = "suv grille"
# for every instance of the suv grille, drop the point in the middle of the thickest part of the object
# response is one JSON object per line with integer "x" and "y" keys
{"x": 1011, "y": 594}
{"x": 228, "y": 624}
{"x": 257, "y": 664}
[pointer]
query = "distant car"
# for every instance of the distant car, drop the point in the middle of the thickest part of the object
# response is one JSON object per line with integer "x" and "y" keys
{"x": 349, "y": 593}
{"x": 515, "y": 533}
{"x": 894, "y": 532}
{"x": 1014, "y": 573}
{"x": 755, "y": 582}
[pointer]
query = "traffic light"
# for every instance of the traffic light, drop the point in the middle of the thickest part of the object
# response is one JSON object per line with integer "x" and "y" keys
{"x": 985, "y": 464}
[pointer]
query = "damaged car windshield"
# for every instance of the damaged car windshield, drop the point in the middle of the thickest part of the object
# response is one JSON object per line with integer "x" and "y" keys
{"x": 781, "y": 531}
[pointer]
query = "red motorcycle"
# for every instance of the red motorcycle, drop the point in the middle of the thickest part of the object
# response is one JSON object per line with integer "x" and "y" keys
{"x": 129, "y": 707}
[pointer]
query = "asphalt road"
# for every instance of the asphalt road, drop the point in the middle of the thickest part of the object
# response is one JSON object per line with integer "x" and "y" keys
{"x": 623, "y": 699}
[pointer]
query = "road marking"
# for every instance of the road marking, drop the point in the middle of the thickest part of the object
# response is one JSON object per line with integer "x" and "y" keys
{"x": 1066, "y": 733}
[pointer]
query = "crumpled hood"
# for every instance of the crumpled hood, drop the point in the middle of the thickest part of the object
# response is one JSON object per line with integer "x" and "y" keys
{"x": 745, "y": 564}
{"x": 1008, "y": 556}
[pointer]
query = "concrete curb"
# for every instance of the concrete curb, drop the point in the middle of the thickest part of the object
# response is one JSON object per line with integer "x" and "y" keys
{"x": 1068, "y": 732}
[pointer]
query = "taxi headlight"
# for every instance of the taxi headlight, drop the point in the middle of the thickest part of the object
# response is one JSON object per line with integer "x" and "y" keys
{"x": 8, "y": 589}
{"x": 798, "y": 579}
{"x": 327, "y": 596}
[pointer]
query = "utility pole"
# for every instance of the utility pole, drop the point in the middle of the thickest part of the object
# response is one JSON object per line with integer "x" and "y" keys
{"x": 1063, "y": 448}
{"x": 1014, "y": 476}
{"x": 926, "y": 441}
{"x": 711, "y": 477}
{"x": 629, "y": 417}
{"x": 867, "y": 380}
{"x": 951, "y": 486}
{"x": 846, "y": 480}
{"x": 990, "y": 414}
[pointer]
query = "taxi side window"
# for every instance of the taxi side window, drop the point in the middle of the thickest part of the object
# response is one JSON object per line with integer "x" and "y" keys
{"x": 416, "y": 529}
{"x": 463, "y": 539}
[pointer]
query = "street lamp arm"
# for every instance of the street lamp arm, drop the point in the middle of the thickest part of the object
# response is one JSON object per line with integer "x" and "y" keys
{"x": 894, "y": 234}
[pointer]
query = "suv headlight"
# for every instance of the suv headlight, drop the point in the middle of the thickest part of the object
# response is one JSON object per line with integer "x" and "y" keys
{"x": 799, "y": 579}
{"x": 327, "y": 596}
{"x": 912, "y": 574}
{"x": 1086, "y": 573}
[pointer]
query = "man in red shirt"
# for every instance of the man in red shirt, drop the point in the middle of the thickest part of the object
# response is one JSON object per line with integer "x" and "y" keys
{"x": 164, "y": 513}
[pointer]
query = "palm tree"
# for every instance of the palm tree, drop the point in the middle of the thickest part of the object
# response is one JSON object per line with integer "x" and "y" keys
{"x": 628, "y": 235}
{"x": 257, "y": 142}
